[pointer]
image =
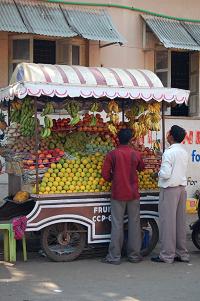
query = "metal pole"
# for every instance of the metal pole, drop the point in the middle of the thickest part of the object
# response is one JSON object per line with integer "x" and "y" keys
{"x": 163, "y": 124}
{"x": 9, "y": 111}
{"x": 123, "y": 113}
{"x": 36, "y": 146}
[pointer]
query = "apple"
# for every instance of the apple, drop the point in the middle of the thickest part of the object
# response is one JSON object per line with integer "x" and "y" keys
{"x": 45, "y": 161}
{"x": 53, "y": 160}
{"x": 61, "y": 153}
{"x": 32, "y": 167}
{"x": 41, "y": 166}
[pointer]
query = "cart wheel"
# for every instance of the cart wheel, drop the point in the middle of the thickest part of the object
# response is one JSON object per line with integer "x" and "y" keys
{"x": 64, "y": 241}
{"x": 196, "y": 238}
{"x": 150, "y": 235}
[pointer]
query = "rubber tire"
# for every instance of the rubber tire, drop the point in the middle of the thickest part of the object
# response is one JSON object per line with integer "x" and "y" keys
{"x": 155, "y": 236}
{"x": 62, "y": 258}
{"x": 195, "y": 240}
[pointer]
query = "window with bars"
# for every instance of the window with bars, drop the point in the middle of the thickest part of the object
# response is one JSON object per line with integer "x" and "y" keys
{"x": 30, "y": 49}
{"x": 44, "y": 52}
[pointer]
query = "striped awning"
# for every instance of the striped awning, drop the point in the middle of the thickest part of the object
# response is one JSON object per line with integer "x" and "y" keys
{"x": 98, "y": 82}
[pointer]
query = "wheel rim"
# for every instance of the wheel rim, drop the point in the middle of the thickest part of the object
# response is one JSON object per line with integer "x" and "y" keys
{"x": 64, "y": 239}
{"x": 149, "y": 236}
{"x": 196, "y": 238}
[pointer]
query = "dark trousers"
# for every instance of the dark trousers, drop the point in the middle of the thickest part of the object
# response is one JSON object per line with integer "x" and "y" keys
{"x": 117, "y": 229}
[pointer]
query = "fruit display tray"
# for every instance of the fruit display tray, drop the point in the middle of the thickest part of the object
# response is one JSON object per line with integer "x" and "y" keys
{"x": 85, "y": 194}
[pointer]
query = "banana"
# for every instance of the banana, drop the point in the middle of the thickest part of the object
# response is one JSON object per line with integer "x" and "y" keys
{"x": 48, "y": 132}
{"x": 112, "y": 129}
{"x": 75, "y": 120}
{"x": 48, "y": 109}
{"x": 46, "y": 122}
{"x": 93, "y": 121}
{"x": 68, "y": 108}
{"x": 115, "y": 107}
{"x": 43, "y": 133}
{"x": 110, "y": 106}
{"x": 50, "y": 122}
{"x": 115, "y": 118}
{"x": 94, "y": 107}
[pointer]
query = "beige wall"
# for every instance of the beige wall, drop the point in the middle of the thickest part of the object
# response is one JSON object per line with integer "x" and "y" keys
{"x": 129, "y": 24}
{"x": 177, "y": 8}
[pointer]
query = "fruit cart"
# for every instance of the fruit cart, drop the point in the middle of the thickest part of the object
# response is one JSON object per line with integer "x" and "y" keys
{"x": 62, "y": 122}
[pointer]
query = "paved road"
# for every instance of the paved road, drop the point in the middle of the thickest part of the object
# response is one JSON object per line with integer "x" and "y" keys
{"x": 90, "y": 280}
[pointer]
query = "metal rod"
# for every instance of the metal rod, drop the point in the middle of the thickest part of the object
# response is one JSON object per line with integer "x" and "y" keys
{"x": 123, "y": 113}
{"x": 163, "y": 124}
{"x": 36, "y": 146}
{"x": 9, "y": 109}
{"x": 109, "y": 44}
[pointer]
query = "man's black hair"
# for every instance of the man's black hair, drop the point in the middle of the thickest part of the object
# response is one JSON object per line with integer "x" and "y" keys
{"x": 124, "y": 136}
{"x": 178, "y": 133}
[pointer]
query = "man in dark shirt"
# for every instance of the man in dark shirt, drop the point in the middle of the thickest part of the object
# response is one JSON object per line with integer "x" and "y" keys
{"x": 120, "y": 167}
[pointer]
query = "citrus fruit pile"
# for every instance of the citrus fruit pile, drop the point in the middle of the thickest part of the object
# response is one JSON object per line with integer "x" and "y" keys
{"x": 146, "y": 181}
{"x": 81, "y": 174}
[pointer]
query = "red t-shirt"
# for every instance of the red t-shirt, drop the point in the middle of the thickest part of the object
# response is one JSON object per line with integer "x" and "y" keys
{"x": 120, "y": 167}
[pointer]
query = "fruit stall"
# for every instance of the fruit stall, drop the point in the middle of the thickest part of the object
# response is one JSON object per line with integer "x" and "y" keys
{"x": 62, "y": 122}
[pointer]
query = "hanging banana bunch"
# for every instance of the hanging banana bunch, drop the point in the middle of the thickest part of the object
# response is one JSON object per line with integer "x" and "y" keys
{"x": 155, "y": 127}
{"x": 112, "y": 129}
{"x": 16, "y": 105}
{"x": 94, "y": 109}
{"x": 27, "y": 121}
{"x": 155, "y": 121}
{"x": 48, "y": 122}
{"x": 137, "y": 110}
{"x": 154, "y": 107}
{"x": 48, "y": 109}
{"x": 73, "y": 109}
{"x": 156, "y": 145}
{"x": 46, "y": 130}
{"x": 139, "y": 130}
{"x": 15, "y": 114}
{"x": 113, "y": 112}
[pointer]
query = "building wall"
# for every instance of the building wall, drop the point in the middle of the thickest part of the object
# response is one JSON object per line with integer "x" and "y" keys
{"x": 177, "y": 8}
{"x": 129, "y": 24}
{"x": 3, "y": 59}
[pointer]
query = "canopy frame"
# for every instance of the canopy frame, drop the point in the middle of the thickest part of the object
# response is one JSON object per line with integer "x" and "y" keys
{"x": 64, "y": 81}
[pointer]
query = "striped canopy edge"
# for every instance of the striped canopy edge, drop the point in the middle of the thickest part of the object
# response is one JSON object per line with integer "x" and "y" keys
{"x": 97, "y": 82}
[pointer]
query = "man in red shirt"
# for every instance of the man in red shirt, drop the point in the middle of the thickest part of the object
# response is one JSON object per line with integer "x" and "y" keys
{"x": 120, "y": 167}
